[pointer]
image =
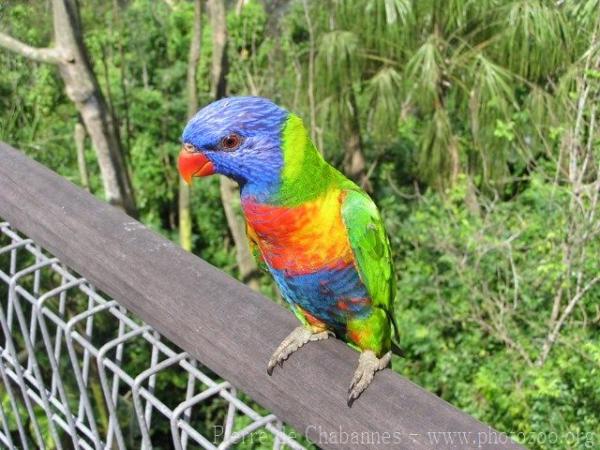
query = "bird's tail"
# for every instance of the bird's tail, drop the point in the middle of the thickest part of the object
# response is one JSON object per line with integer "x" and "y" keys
{"x": 396, "y": 350}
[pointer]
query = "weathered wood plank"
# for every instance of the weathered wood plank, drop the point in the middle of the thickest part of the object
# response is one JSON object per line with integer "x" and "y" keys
{"x": 225, "y": 325}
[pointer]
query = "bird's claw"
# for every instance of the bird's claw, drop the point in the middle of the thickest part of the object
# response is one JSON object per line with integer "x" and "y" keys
{"x": 368, "y": 364}
{"x": 293, "y": 342}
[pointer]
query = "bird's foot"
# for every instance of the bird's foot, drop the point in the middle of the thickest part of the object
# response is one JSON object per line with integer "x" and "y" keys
{"x": 368, "y": 364}
{"x": 293, "y": 342}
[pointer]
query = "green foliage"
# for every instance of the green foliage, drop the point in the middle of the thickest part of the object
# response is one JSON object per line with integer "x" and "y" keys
{"x": 493, "y": 278}
{"x": 478, "y": 120}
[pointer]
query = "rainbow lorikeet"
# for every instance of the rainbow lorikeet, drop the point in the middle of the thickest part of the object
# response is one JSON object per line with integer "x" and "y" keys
{"x": 317, "y": 233}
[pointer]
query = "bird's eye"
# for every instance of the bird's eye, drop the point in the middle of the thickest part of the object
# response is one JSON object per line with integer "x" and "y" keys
{"x": 231, "y": 142}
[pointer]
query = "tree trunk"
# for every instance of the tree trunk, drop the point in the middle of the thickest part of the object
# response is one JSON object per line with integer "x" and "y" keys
{"x": 219, "y": 64}
{"x": 79, "y": 137}
{"x": 81, "y": 86}
{"x": 230, "y": 197}
{"x": 229, "y": 191}
{"x": 355, "y": 165}
{"x": 311, "y": 74}
{"x": 185, "y": 217}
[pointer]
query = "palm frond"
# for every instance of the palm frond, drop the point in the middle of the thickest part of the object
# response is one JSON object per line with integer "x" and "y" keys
{"x": 439, "y": 150}
{"x": 536, "y": 38}
{"x": 337, "y": 56}
{"x": 384, "y": 96}
{"x": 424, "y": 72}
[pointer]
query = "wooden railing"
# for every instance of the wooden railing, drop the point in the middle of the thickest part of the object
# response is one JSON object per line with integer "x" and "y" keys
{"x": 226, "y": 326}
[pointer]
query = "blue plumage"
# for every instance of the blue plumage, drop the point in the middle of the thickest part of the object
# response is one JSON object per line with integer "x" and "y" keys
{"x": 258, "y": 163}
{"x": 321, "y": 294}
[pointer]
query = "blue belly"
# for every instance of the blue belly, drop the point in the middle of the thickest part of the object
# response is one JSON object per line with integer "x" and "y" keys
{"x": 333, "y": 296}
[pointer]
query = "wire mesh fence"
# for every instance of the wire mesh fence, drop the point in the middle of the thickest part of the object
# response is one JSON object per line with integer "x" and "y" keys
{"x": 79, "y": 371}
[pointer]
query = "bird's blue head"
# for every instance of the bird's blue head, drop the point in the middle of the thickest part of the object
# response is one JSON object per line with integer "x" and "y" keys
{"x": 239, "y": 137}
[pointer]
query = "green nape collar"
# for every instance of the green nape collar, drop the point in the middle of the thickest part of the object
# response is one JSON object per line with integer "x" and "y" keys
{"x": 305, "y": 173}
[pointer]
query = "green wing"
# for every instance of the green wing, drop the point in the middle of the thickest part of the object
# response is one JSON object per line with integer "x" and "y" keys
{"x": 371, "y": 248}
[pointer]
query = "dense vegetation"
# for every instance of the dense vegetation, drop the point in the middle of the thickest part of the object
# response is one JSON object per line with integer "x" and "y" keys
{"x": 473, "y": 124}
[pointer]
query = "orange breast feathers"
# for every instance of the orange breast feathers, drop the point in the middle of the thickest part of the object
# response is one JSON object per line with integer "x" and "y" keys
{"x": 301, "y": 239}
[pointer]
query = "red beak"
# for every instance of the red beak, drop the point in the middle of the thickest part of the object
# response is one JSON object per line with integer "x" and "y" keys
{"x": 194, "y": 164}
